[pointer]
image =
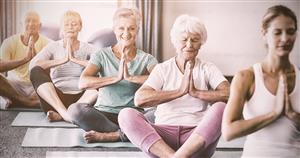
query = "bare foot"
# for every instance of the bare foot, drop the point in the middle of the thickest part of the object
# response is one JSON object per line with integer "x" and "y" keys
{"x": 93, "y": 136}
{"x": 54, "y": 116}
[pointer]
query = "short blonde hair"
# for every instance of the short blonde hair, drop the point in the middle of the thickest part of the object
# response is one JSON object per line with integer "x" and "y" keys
{"x": 127, "y": 13}
{"x": 186, "y": 23}
{"x": 71, "y": 13}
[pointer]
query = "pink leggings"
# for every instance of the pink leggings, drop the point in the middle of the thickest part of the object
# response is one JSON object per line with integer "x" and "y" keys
{"x": 144, "y": 134}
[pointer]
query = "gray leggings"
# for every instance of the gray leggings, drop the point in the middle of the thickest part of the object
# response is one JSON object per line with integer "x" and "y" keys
{"x": 88, "y": 118}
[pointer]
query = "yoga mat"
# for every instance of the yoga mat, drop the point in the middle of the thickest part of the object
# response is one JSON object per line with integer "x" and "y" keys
{"x": 236, "y": 143}
{"x": 63, "y": 137}
{"x": 111, "y": 154}
{"x": 98, "y": 154}
{"x": 21, "y": 109}
{"x": 37, "y": 119}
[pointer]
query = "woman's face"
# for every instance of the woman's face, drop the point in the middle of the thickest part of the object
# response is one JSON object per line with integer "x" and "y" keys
{"x": 126, "y": 31}
{"x": 187, "y": 45}
{"x": 281, "y": 35}
{"x": 32, "y": 24}
{"x": 72, "y": 27}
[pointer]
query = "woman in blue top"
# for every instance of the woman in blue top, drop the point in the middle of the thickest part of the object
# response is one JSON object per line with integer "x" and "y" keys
{"x": 117, "y": 72}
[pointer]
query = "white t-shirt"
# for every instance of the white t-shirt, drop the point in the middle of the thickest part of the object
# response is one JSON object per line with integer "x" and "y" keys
{"x": 65, "y": 77}
{"x": 186, "y": 110}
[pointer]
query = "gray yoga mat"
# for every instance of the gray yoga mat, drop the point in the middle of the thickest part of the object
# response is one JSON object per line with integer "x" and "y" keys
{"x": 21, "y": 109}
{"x": 236, "y": 143}
{"x": 37, "y": 119}
{"x": 63, "y": 137}
{"x": 110, "y": 154}
{"x": 98, "y": 154}
{"x": 73, "y": 137}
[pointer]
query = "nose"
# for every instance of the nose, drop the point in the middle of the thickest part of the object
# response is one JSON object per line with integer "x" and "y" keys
{"x": 189, "y": 43}
{"x": 284, "y": 37}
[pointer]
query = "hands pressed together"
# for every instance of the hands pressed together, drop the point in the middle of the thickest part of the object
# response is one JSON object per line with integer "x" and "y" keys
{"x": 187, "y": 83}
{"x": 123, "y": 69}
{"x": 30, "y": 50}
{"x": 283, "y": 104}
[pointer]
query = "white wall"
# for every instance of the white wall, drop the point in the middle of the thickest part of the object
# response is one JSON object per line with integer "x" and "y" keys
{"x": 234, "y": 39}
{"x": 95, "y": 14}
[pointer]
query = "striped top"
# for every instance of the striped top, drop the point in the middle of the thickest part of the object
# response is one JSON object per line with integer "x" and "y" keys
{"x": 65, "y": 77}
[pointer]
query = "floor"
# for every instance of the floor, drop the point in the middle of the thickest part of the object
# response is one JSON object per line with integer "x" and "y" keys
{"x": 11, "y": 139}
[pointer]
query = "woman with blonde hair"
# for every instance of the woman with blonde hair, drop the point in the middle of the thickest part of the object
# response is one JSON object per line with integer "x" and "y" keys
{"x": 65, "y": 59}
{"x": 117, "y": 71}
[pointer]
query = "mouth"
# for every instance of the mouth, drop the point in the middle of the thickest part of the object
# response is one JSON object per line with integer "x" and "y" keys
{"x": 285, "y": 47}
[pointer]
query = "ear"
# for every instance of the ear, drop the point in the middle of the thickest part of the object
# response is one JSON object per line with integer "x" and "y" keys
{"x": 264, "y": 33}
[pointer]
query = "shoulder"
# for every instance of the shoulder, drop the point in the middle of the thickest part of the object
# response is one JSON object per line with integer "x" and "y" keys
{"x": 87, "y": 48}
{"x": 12, "y": 39}
{"x": 244, "y": 80}
{"x": 103, "y": 52}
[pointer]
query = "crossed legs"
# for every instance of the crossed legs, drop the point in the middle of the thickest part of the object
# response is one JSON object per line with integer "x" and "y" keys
{"x": 174, "y": 141}
{"x": 54, "y": 102}
{"x": 8, "y": 90}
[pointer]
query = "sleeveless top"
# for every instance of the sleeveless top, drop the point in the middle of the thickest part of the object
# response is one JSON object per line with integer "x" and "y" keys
{"x": 281, "y": 138}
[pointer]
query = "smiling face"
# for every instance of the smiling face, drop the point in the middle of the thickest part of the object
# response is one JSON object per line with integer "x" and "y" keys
{"x": 280, "y": 36}
{"x": 187, "y": 45}
{"x": 32, "y": 23}
{"x": 71, "y": 26}
{"x": 126, "y": 30}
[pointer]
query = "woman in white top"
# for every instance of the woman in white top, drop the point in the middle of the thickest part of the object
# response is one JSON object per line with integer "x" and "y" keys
{"x": 264, "y": 99}
{"x": 65, "y": 59}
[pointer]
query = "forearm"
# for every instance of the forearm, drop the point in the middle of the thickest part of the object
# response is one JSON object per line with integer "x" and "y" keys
{"x": 11, "y": 64}
{"x": 92, "y": 82}
{"x": 150, "y": 98}
{"x": 295, "y": 117}
{"x": 211, "y": 96}
{"x": 242, "y": 127}
{"x": 137, "y": 79}
{"x": 83, "y": 63}
{"x": 47, "y": 64}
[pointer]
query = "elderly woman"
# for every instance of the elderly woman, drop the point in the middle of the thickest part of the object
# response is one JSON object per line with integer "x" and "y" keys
{"x": 264, "y": 100}
{"x": 122, "y": 68}
{"x": 181, "y": 88}
{"x": 66, "y": 60}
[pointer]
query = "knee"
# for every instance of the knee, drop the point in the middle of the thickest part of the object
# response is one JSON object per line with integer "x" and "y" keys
{"x": 35, "y": 72}
{"x": 76, "y": 110}
{"x": 127, "y": 115}
{"x": 218, "y": 107}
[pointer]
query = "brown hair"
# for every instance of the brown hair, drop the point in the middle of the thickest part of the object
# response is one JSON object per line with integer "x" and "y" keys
{"x": 276, "y": 11}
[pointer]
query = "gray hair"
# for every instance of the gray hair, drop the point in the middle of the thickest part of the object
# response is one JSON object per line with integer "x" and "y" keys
{"x": 187, "y": 23}
{"x": 127, "y": 13}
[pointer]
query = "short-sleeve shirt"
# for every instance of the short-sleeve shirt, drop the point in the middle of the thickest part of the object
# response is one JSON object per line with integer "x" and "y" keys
{"x": 115, "y": 97}
{"x": 14, "y": 49}
{"x": 186, "y": 110}
{"x": 66, "y": 76}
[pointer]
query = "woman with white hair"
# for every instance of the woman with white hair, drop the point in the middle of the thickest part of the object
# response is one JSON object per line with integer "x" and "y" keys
{"x": 181, "y": 88}
{"x": 66, "y": 60}
{"x": 117, "y": 71}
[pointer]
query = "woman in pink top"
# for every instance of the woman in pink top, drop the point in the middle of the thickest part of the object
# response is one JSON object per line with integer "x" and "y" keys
{"x": 264, "y": 99}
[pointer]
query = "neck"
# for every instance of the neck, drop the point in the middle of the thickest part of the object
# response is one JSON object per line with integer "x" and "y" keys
{"x": 181, "y": 62}
{"x": 130, "y": 51}
{"x": 276, "y": 64}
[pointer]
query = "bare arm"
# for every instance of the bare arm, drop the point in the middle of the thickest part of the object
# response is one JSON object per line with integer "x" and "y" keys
{"x": 289, "y": 110}
{"x": 148, "y": 97}
{"x": 47, "y": 64}
{"x": 7, "y": 65}
{"x": 89, "y": 80}
{"x": 233, "y": 124}
{"x": 220, "y": 94}
{"x": 139, "y": 79}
